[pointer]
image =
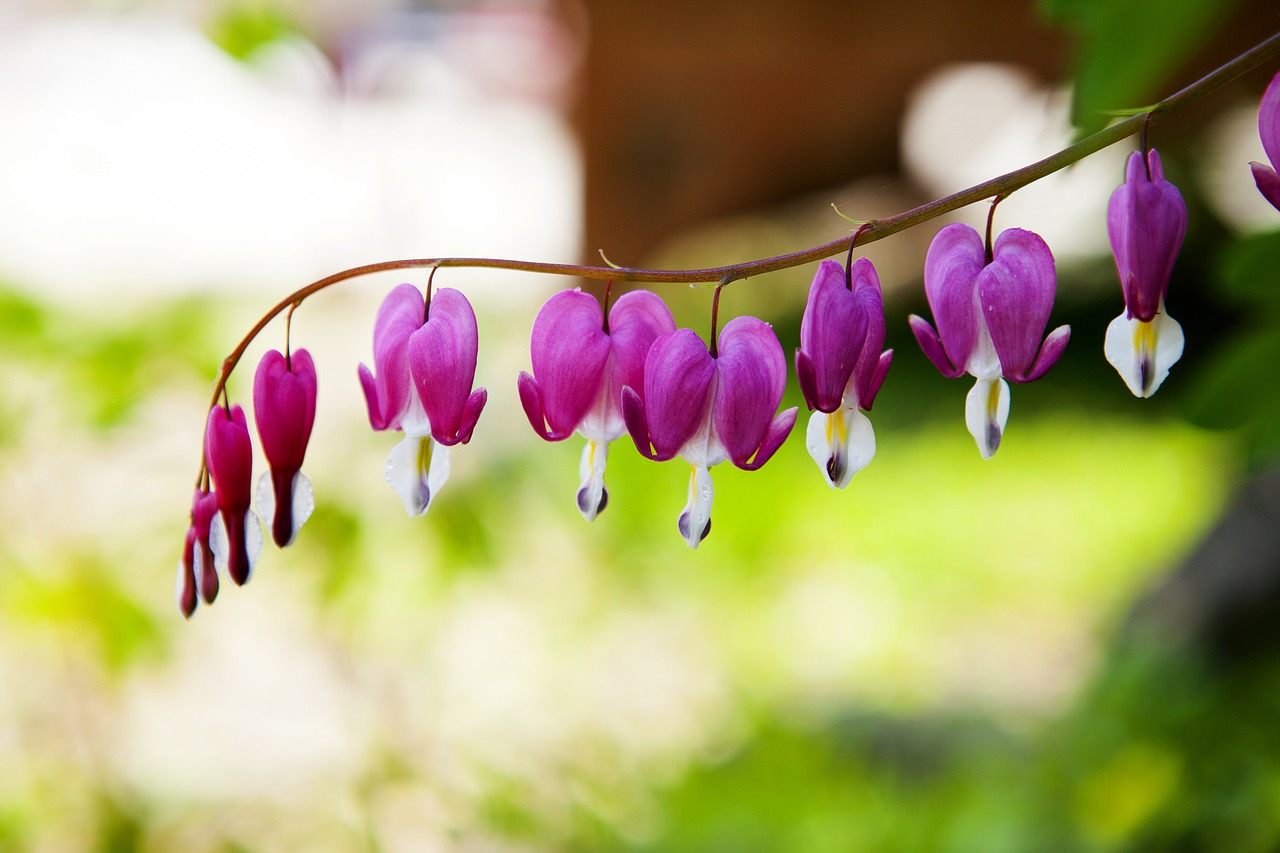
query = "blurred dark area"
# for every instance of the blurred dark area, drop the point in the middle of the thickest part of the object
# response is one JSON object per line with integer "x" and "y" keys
{"x": 691, "y": 111}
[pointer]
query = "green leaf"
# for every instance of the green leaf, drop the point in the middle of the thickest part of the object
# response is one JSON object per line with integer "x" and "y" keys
{"x": 1126, "y": 51}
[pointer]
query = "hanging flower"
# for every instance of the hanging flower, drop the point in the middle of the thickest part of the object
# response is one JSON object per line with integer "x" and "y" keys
{"x": 580, "y": 365}
{"x": 709, "y": 407}
{"x": 197, "y": 572}
{"x": 991, "y": 312}
{"x": 1146, "y": 221}
{"x": 840, "y": 367}
{"x": 1269, "y": 130}
{"x": 426, "y": 360}
{"x": 284, "y": 408}
{"x": 235, "y": 535}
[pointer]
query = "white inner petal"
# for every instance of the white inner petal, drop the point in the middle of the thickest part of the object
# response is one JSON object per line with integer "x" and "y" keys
{"x": 1142, "y": 353}
{"x": 591, "y": 493}
{"x": 603, "y": 421}
{"x": 986, "y": 411}
{"x": 695, "y": 521}
{"x": 983, "y": 362}
{"x": 252, "y": 541}
{"x": 265, "y": 496}
{"x": 218, "y": 544}
{"x": 417, "y": 469}
{"x": 304, "y": 502}
{"x": 841, "y": 443}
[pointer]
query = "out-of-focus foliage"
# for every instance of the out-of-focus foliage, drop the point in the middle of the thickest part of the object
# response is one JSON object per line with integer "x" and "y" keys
{"x": 1125, "y": 51}
{"x": 243, "y": 26}
{"x": 1236, "y": 390}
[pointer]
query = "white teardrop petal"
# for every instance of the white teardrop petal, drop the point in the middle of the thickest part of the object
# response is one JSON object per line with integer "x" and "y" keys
{"x": 417, "y": 469}
{"x": 266, "y": 497}
{"x": 694, "y": 522}
{"x": 986, "y": 412}
{"x": 1142, "y": 353}
{"x": 218, "y": 544}
{"x": 841, "y": 443}
{"x": 592, "y": 496}
{"x": 304, "y": 502}
{"x": 252, "y": 541}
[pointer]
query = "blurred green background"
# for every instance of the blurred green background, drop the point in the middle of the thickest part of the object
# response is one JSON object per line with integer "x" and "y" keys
{"x": 1075, "y": 646}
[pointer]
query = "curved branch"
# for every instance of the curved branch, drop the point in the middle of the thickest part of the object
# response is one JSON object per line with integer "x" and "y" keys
{"x": 869, "y": 232}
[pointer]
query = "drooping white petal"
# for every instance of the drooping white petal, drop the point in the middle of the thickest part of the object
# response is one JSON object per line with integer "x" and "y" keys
{"x": 218, "y": 544}
{"x": 417, "y": 468}
{"x": 265, "y": 497}
{"x": 1142, "y": 353}
{"x": 593, "y": 497}
{"x": 695, "y": 521}
{"x": 252, "y": 540}
{"x": 304, "y": 501}
{"x": 842, "y": 443}
{"x": 986, "y": 411}
{"x": 302, "y": 505}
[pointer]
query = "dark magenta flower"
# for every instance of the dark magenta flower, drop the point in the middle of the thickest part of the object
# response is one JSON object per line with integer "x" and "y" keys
{"x": 840, "y": 366}
{"x": 991, "y": 317}
{"x": 284, "y": 408}
{"x": 426, "y": 365}
{"x": 1269, "y": 130}
{"x": 1146, "y": 221}
{"x": 235, "y": 535}
{"x": 197, "y": 572}
{"x": 709, "y": 408}
{"x": 580, "y": 366}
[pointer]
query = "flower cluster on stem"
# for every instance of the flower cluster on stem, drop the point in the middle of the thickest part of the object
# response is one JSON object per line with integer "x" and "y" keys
{"x": 602, "y": 371}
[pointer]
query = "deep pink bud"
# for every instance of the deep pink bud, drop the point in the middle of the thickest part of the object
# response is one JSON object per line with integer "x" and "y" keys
{"x": 235, "y": 536}
{"x": 284, "y": 408}
{"x": 197, "y": 572}
{"x": 1146, "y": 221}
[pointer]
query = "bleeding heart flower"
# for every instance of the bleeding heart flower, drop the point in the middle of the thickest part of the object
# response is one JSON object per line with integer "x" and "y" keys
{"x": 426, "y": 360}
{"x": 841, "y": 368}
{"x": 1146, "y": 221}
{"x": 710, "y": 407}
{"x": 197, "y": 571}
{"x": 284, "y": 407}
{"x": 991, "y": 313}
{"x": 580, "y": 365}
{"x": 235, "y": 534}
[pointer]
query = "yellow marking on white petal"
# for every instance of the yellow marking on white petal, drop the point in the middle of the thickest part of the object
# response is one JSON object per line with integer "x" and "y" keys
{"x": 425, "y": 448}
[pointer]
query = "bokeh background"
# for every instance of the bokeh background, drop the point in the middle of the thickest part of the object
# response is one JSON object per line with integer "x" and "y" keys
{"x": 1074, "y": 646}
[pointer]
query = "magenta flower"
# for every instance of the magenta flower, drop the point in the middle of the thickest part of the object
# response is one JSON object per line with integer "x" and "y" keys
{"x": 991, "y": 314}
{"x": 235, "y": 535}
{"x": 841, "y": 368}
{"x": 197, "y": 572}
{"x": 426, "y": 361}
{"x": 284, "y": 408}
{"x": 580, "y": 365}
{"x": 707, "y": 408}
{"x": 1269, "y": 129}
{"x": 1146, "y": 220}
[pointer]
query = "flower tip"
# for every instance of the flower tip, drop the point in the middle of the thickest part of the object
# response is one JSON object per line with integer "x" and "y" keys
{"x": 693, "y": 536}
{"x": 1267, "y": 181}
